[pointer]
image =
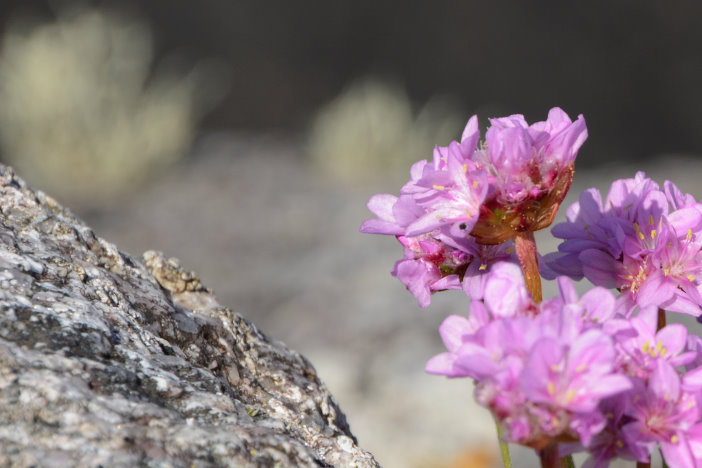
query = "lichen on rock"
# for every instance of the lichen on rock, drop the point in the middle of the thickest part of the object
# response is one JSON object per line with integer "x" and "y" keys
{"x": 108, "y": 360}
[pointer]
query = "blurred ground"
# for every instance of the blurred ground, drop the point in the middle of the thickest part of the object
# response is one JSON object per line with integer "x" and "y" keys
{"x": 278, "y": 242}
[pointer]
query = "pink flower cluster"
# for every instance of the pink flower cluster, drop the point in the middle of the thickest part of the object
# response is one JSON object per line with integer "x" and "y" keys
{"x": 586, "y": 371}
{"x": 600, "y": 373}
{"x": 642, "y": 240}
{"x": 458, "y": 213}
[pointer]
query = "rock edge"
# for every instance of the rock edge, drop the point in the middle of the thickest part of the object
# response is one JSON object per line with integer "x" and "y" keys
{"x": 108, "y": 360}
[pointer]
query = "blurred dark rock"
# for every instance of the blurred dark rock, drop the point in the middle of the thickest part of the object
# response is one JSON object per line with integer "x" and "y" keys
{"x": 108, "y": 360}
{"x": 632, "y": 68}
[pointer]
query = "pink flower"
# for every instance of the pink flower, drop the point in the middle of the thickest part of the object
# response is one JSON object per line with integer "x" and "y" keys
{"x": 468, "y": 199}
{"x": 514, "y": 182}
{"x": 541, "y": 369}
{"x": 429, "y": 265}
{"x": 665, "y": 414}
{"x": 610, "y": 442}
{"x": 640, "y": 353}
{"x": 643, "y": 241}
{"x": 453, "y": 191}
{"x": 530, "y": 170}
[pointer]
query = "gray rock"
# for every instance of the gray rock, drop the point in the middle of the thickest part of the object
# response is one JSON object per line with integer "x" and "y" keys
{"x": 107, "y": 360}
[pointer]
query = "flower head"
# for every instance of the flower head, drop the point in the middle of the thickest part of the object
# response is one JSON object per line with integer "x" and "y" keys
{"x": 642, "y": 240}
{"x": 664, "y": 414}
{"x": 530, "y": 171}
{"x": 472, "y": 195}
{"x": 541, "y": 369}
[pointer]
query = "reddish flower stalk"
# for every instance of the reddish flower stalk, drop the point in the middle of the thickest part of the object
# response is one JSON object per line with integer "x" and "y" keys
{"x": 661, "y": 319}
{"x": 525, "y": 245}
{"x": 549, "y": 456}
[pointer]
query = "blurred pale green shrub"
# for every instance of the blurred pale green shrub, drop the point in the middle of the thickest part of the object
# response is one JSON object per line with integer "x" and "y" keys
{"x": 371, "y": 131}
{"x": 81, "y": 115}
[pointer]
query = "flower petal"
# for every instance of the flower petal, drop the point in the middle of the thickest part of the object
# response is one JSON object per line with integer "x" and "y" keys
{"x": 599, "y": 267}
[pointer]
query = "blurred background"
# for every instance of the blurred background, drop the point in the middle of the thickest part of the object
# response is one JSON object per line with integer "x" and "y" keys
{"x": 245, "y": 138}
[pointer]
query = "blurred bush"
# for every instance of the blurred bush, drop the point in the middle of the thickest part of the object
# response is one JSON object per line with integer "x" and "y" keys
{"x": 371, "y": 131}
{"x": 82, "y": 115}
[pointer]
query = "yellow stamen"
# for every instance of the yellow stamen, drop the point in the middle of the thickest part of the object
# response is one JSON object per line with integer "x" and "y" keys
{"x": 650, "y": 220}
{"x": 689, "y": 235}
{"x": 483, "y": 266}
{"x": 570, "y": 395}
{"x": 638, "y": 231}
{"x": 674, "y": 439}
{"x": 439, "y": 187}
{"x": 645, "y": 346}
{"x": 475, "y": 184}
{"x": 661, "y": 349}
{"x": 551, "y": 388}
{"x": 465, "y": 168}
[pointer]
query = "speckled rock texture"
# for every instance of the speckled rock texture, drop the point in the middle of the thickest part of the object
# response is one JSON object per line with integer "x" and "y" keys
{"x": 107, "y": 360}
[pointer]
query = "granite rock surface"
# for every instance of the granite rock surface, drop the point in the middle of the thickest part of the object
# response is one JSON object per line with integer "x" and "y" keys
{"x": 110, "y": 360}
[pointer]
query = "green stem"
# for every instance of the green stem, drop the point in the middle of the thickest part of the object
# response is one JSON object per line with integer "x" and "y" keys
{"x": 567, "y": 462}
{"x": 504, "y": 448}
